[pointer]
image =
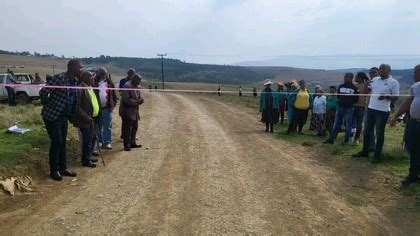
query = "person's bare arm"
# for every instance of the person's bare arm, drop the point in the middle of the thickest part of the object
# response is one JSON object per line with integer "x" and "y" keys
{"x": 404, "y": 108}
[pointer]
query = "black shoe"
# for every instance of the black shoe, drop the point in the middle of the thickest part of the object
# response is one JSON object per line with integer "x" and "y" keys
{"x": 68, "y": 172}
{"x": 56, "y": 176}
{"x": 94, "y": 160}
{"x": 271, "y": 131}
{"x": 135, "y": 146}
{"x": 410, "y": 180}
{"x": 89, "y": 164}
{"x": 375, "y": 161}
{"x": 127, "y": 149}
{"x": 328, "y": 141}
{"x": 372, "y": 149}
{"x": 96, "y": 154}
{"x": 266, "y": 130}
{"x": 301, "y": 133}
{"x": 360, "y": 154}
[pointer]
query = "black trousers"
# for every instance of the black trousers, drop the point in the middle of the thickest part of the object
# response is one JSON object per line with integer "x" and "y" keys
{"x": 11, "y": 96}
{"x": 413, "y": 145}
{"x": 129, "y": 131}
{"x": 57, "y": 131}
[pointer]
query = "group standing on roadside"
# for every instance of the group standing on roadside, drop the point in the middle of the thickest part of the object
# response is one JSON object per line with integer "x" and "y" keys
{"x": 89, "y": 108}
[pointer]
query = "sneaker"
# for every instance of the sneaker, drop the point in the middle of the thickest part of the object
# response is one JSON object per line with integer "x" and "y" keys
{"x": 108, "y": 146}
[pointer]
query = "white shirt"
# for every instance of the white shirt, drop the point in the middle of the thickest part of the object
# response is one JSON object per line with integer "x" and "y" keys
{"x": 384, "y": 87}
{"x": 103, "y": 95}
{"x": 415, "y": 105}
{"x": 320, "y": 105}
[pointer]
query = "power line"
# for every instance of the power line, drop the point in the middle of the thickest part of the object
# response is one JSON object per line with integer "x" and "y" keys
{"x": 163, "y": 77}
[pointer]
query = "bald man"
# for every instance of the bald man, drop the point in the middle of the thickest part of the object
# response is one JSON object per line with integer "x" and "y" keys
{"x": 384, "y": 89}
{"x": 58, "y": 108}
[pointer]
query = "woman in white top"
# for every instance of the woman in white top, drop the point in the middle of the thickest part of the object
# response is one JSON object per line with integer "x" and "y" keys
{"x": 319, "y": 112}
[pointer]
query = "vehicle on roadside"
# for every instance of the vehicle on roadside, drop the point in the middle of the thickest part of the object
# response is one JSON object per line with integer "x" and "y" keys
{"x": 24, "y": 94}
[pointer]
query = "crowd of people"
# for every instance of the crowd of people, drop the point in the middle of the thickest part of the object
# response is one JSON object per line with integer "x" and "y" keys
{"x": 90, "y": 109}
{"x": 359, "y": 104}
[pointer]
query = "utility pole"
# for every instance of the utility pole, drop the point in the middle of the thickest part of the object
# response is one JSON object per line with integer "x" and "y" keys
{"x": 53, "y": 67}
{"x": 163, "y": 77}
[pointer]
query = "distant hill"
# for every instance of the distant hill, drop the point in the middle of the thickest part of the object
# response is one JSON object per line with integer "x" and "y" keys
{"x": 178, "y": 71}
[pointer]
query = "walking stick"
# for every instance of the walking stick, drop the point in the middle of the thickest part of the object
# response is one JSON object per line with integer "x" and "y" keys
{"x": 99, "y": 148}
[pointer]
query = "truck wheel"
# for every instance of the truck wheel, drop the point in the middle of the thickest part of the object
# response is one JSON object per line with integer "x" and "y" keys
{"x": 22, "y": 99}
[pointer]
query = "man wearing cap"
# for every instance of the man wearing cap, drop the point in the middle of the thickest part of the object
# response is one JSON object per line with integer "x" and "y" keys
{"x": 129, "y": 107}
{"x": 107, "y": 100}
{"x": 412, "y": 105}
{"x": 130, "y": 73}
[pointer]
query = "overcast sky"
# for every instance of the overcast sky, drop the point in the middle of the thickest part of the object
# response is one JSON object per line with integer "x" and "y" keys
{"x": 211, "y": 31}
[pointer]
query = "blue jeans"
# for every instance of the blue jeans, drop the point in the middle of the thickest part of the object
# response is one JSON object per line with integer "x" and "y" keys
{"x": 87, "y": 137}
{"x": 104, "y": 128}
{"x": 375, "y": 120}
{"x": 358, "y": 116}
{"x": 342, "y": 113}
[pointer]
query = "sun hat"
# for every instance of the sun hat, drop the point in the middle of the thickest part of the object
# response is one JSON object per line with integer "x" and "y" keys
{"x": 280, "y": 83}
{"x": 267, "y": 82}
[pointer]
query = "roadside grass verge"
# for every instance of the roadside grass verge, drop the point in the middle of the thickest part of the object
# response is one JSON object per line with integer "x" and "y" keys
{"x": 26, "y": 153}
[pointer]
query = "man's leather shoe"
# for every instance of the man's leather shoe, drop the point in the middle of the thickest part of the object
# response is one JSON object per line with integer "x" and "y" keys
{"x": 135, "y": 146}
{"x": 360, "y": 154}
{"x": 56, "y": 176}
{"x": 127, "y": 149}
{"x": 89, "y": 164}
{"x": 68, "y": 172}
{"x": 96, "y": 154}
{"x": 94, "y": 160}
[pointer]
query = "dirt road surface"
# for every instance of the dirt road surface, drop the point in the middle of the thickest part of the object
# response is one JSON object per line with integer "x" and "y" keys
{"x": 205, "y": 168}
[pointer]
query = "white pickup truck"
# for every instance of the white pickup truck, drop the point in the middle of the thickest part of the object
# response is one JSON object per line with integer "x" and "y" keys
{"x": 24, "y": 94}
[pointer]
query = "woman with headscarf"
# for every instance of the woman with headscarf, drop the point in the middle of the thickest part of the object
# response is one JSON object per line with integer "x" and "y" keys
{"x": 290, "y": 90}
{"x": 319, "y": 112}
{"x": 269, "y": 107}
{"x": 301, "y": 100}
{"x": 281, "y": 93}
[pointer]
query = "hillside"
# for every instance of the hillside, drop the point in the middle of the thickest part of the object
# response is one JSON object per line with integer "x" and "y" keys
{"x": 178, "y": 71}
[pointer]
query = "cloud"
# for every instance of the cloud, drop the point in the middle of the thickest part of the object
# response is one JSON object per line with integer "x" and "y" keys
{"x": 211, "y": 31}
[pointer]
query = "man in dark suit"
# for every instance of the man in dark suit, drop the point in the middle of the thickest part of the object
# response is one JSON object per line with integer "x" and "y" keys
{"x": 129, "y": 111}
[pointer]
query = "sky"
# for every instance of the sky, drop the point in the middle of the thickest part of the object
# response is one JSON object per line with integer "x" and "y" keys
{"x": 211, "y": 31}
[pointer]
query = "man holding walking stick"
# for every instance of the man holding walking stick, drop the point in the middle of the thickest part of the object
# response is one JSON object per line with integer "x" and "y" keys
{"x": 87, "y": 109}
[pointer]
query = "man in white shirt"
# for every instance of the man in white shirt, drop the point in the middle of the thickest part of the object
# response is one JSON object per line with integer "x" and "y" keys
{"x": 384, "y": 89}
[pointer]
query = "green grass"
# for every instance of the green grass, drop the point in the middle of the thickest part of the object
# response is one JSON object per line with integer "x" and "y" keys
{"x": 395, "y": 158}
{"x": 15, "y": 148}
{"x": 355, "y": 201}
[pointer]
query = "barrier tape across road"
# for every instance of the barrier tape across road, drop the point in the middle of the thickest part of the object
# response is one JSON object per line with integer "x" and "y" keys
{"x": 175, "y": 90}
